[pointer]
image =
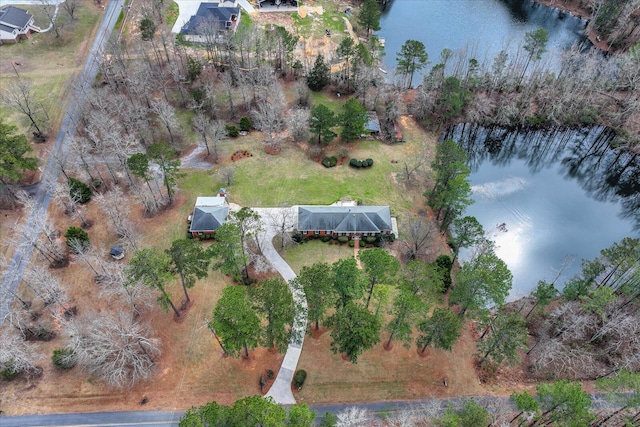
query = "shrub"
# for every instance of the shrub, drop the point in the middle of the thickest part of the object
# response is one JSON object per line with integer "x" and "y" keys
{"x": 360, "y": 163}
{"x": 10, "y": 370}
{"x": 325, "y": 238}
{"x": 297, "y": 237}
{"x": 64, "y": 358}
{"x": 352, "y": 243}
{"x": 343, "y": 239}
{"x": 245, "y": 124}
{"x": 329, "y": 162}
{"x": 232, "y": 131}
{"x": 78, "y": 190}
{"x": 77, "y": 239}
{"x": 299, "y": 377}
{"x": 371, "y": 239}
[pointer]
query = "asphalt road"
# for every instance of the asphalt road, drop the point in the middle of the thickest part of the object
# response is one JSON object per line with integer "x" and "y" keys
{"x": 60, "y": 150}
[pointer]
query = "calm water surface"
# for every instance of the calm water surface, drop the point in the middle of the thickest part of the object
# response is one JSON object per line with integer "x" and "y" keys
{"x": 547, "y": 196}
{"x": 483, "y": 27}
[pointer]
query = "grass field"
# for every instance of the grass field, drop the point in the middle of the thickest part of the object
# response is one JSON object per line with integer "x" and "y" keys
{"x": 49, "y": 62}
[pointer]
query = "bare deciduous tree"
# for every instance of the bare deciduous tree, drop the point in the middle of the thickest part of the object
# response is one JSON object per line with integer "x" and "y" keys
{"x": 283, "y": 220}
{"x": 298, "y": 124}
{"x": 417, "y": 237}
{"x": 226, "y": 174}
{"x": 114, "y": 347}
{"x": 19, "y": 97}
{"x": 16, "y": 356}
{"x": 167, "y": 116}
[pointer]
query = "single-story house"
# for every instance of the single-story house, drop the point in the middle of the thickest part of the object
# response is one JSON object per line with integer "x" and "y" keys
{"x": 15, "y": 24}
{"x": 211, "y": 21}
{"x": 209, "y": 214}
{"x": 348, "y": 221}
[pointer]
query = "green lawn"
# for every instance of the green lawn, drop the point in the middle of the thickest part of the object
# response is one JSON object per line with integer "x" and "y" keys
{"x": 306, "y": 254}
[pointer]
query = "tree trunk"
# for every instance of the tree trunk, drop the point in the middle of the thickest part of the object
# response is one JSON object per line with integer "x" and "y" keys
{"x": 184, "y": 287}
{"x": 172, "y": 306}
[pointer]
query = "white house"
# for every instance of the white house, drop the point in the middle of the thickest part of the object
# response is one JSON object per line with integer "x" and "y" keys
{"x": 15, "y": 24}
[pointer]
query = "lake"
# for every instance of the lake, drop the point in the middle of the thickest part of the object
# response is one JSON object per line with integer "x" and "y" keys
{"x": 550, "y": 196}
{"x": 484, "y": 27}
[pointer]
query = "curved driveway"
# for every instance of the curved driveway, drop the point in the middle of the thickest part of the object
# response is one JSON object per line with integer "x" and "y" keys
{"x": 280, "y": 391}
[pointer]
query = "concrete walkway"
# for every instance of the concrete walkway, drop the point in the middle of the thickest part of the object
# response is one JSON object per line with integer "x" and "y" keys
{"x": 280, "y": 391}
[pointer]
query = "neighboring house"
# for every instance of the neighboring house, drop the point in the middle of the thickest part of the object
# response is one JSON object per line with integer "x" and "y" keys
{"x": 344, "y": 221}
{"x": 274, "y": 5}
{"x": 211, "y": 21}
{"x": 15, "y": 24}
{"x": 209, "y": 214}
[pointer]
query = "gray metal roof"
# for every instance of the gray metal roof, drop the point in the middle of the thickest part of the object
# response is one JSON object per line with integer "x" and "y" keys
{"x": 14, "y": 17}
{"x": 373, "y": 124}
{"x": 208, "y": 218}
{"x": 345, "y": 219}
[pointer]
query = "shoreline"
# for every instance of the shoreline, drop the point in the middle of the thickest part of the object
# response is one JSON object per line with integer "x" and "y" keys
{"x": 573, "y": 7}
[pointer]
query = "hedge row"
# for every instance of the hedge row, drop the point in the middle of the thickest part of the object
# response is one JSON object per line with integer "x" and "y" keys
{"x": 355, "y": 163}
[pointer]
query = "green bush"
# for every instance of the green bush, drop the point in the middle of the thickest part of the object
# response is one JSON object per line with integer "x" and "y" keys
{"x": 77, "y": 234}
{"x": 325, "y": 238}
{"x": 78, "y": 190}
{"x": 299, "y": 377}
{"x": 245, "y": 124}
{"x": 352, "y": 243}
{"x": 232, "y": 131}
{"x": 371, "y": 239}
{"x": 10, "y": 371}
{"x": 64, "y": 358}
{"x": 343, "y": 239}
{"x": 329, "y": 162}
{"x": 355, "y": 163}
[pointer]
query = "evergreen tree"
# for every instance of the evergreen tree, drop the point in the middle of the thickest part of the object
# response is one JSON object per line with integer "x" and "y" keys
{"x": 353, "y": 119}
{"x": 319, "y": 75}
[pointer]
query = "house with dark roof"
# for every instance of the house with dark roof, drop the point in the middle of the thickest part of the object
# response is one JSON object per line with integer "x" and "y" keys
{"x": 209, "y": 214}
{"x": 211, "y": 21}
{"x": 15, "y": 24}
{"x": 336, "y": 221}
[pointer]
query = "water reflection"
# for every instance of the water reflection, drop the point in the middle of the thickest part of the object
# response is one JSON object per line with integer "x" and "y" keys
{"x": 551, "y": 193}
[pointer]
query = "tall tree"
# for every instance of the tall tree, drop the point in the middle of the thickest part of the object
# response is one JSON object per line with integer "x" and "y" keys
{"x": 317, "y": 283}
{"x": 321, "y": 121}
{"x": 543, "y": 294}
{"x": 465, "y": 232}
{"x": 470, "y": 415}
{"x": 441, "y": 330}
{"x": 379, "y": 267}
{"x": 482, "y": 282}
{"x": 346, "y": 52}
{"x": 526, "y": 404}
{"x": 535, "y": 43}
{"x": 565, "y": 403}
{"x": 274, "y": 301}
{"x": 153, "y": 269}
{"x": 228, "y": 249}
{"x": 236, "y": 322}
{"x": 190, "y": 261}
{"x": 319, "y": 76}
{"x": 507, "y": 333}
{"x": 356, "y": 330}
{"x": 13, "y": 155}
{"x": 164, "y": 156}
{"x": 249, "y": 224}
{"x": 369, "y": 16}
{"x": 451, "y": 191}
{"x": 353, "y": 119}
{"x": 411, "y": 58}
{"x": 347, "y": 281}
